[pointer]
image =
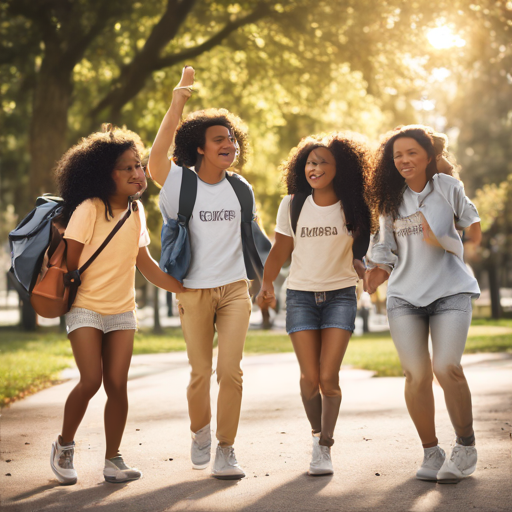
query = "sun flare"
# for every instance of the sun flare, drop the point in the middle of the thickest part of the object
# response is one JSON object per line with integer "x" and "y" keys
{"x": 443, "y": 37}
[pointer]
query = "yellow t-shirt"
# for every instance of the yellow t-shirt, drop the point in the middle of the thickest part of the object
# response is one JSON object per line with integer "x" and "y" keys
{"x": 108, "y": 284}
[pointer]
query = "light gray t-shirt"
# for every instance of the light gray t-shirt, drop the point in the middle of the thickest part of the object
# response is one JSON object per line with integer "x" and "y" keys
{"x": 421, "y": 272}
{"x": 215, "y": 232}
{"x": 322, "y": 255}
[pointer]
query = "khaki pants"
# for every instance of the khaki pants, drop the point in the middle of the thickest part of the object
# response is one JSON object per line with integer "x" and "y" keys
{"x": 227, "y": 308}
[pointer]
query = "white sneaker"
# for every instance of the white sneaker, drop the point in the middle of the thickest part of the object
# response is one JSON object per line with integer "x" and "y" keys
{"x": 116, "y": 471}
{"x": 61, "y": 461}
{"x": 226, "y": 466}
{"x": 462, "y": 463}
{"x": 201, "y": 448}
{"x": 433, "y": 459}
{"x": 321, "y": 463}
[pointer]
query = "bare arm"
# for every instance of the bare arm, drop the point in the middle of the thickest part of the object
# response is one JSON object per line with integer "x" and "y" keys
{"x": 280, "y": 252}
{"x": 474, "y": 234}
{"x": 73, "y": 253}
{"x": 152, "y": 272}
{"x": 159, "y": 164}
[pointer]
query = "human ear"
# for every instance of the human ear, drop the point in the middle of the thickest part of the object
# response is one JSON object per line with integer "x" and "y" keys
{"x": 200, "y": 151}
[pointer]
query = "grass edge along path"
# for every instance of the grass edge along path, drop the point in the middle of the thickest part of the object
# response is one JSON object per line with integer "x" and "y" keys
{"x": 30, "y": 362}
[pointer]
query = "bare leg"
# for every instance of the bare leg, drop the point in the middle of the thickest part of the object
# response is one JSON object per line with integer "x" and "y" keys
{"x": 117, "y": 355}
{"x": 307, "y": 346}
{"x": 334, "y": 346}
{"x": 86, "y": 343}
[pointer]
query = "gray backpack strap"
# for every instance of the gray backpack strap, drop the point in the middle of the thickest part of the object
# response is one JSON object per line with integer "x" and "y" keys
{"x": 244, "y": 195}
{"x": 188, "y": 194}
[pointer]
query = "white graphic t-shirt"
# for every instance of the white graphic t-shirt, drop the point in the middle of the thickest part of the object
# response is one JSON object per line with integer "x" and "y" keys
{"x": 322, "y": 256}
{"x": 215, "y": 233}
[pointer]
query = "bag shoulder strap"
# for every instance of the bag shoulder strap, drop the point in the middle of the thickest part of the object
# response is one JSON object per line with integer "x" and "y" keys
{"x": 131, "y": 207}
{"x": 244, "y": 195}
{"x": 188, "y": 194}
{"x": 296, "y": 204}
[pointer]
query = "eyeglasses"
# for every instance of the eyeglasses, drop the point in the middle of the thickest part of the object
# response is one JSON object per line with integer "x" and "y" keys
{"x": 136, "y": 169}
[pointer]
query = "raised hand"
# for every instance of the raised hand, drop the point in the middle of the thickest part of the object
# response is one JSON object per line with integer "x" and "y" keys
{"x": 184, "y": 88}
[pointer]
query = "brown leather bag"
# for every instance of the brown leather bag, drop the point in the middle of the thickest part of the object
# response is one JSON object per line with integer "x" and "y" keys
{"x": 56, "y": 288}
{"x": 50, "y": 296}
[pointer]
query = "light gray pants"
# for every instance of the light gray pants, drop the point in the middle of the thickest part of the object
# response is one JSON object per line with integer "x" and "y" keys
{"x": 449, "y": 319}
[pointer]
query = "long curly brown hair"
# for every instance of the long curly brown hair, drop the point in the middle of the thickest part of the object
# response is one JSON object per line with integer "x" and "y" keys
{"x": 85, "y": 170}
{"x": 191, "y": 134}
{"x": 352, "y": 168}
{"x": 387, "y": 186}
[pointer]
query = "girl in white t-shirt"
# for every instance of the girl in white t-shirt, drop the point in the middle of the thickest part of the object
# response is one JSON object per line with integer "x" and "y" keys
{"x": 327, "y": 246}
{"x": 100, "y": 179}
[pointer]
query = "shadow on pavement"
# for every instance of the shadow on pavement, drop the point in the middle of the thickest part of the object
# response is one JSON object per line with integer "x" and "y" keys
{"x": 67, "y": 498}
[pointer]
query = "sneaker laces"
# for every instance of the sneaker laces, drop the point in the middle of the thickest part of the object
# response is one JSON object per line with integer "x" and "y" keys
{"x": 325, "y": 452}
{"x": 430, "y": 457}
{"x": 458, "y": 456}
{"x": 229, "y": 454}
{"x": 66, "y": 457}
{"x": 119, "y": 463}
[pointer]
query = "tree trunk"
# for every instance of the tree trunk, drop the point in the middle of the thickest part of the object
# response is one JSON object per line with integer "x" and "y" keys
{"x": 157, "y": 327}
{"x": 28, "y": 316}
{"x": 49, "y": 124}
{"x": 494, "y": 288}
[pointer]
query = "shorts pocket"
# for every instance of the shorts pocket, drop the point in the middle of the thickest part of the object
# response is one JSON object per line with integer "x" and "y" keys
{"x": 397, "y": 303}
{"x": 458, "y": 302}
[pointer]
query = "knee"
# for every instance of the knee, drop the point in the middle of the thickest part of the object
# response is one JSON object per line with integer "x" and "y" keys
{"x": 90, "y": 386}
{"x": 418, "y": 380}
{"x": 200, "y": 375}
{"x": 446, "y": 373}
{"x": 115, "y": 387}
{"x": 330, "y": 384}
{"x": 309, "y": 385}
{"x": 229, "y": 373}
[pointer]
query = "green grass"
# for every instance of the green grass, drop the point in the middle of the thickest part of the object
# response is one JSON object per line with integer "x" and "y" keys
{"x": 32, "y": 361}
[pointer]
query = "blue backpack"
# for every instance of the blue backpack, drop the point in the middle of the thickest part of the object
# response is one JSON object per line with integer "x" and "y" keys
{"x": 176, "y": 252}
{"x": 31, "y": 239}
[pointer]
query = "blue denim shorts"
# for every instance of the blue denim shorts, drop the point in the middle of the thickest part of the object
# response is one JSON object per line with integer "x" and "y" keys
{"x": 307, "y": 311}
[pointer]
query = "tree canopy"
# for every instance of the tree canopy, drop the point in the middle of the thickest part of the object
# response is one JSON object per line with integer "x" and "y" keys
{"x": 288, "y": 68}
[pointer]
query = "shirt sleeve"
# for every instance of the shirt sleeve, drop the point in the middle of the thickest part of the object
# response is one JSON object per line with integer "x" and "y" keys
{"x": 383, "y": 246}
{"x": 283, "y": 218}
{"x": 464, "y": 209}
{"x": 144, "y": 234}
{"x": 170, "y": 193}
{"x": 81, "y": 224}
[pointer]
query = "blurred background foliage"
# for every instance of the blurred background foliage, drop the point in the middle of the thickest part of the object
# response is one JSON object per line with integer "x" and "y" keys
{"x": 288, "y": 68}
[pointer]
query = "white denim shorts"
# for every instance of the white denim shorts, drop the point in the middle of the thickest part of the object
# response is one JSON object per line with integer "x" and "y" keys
{"x": 79, "y": 317}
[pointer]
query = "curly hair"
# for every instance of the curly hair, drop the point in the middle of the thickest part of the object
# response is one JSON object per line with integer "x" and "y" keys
{"x": 85, "y": 170}
{"x": 191, "y": 134}
{"x": 387, "y": 186}
{"x": 352, "y": 169}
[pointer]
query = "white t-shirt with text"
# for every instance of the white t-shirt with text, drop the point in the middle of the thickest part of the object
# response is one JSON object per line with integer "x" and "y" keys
{"x": 215, "y": 232}
{"x": 322, "y": 256}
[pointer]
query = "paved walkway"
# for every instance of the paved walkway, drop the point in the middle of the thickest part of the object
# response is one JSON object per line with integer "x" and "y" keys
{"x": 375, "y": 455}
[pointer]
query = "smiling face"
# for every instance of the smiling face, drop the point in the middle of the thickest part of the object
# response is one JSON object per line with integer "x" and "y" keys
{"x": 411, "y": 159}
{"x": 219, "y": 148}
{"x": 128, "y": 175}
{"x": 320, "y": 168}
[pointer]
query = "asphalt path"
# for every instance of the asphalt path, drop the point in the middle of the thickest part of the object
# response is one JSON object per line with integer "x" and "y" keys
{"x": 375, "y": 455}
